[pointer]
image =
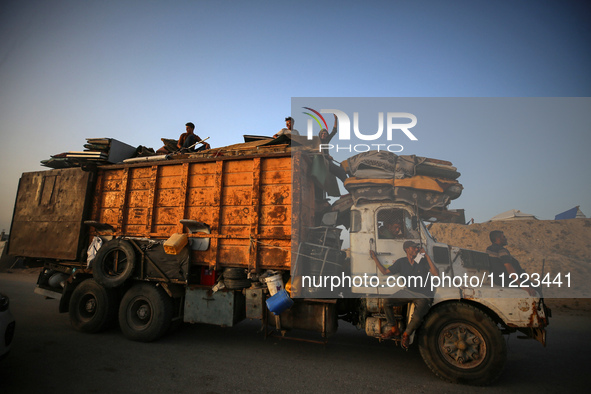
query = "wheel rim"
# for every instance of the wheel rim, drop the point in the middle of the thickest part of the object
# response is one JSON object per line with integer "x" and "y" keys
{"x": 140, "y": 314}
{"x": 115, "y": 263}
{"x": 462, "y": 345}
{"x": 87, "y": 306}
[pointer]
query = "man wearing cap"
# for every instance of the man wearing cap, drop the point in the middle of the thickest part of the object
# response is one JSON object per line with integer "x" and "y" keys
{"x": 416, "y": 291}
{"x": 288, "y": 130}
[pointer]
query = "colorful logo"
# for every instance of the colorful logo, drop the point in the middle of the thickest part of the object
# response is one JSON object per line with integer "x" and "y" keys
{"x": 315, "y": 118}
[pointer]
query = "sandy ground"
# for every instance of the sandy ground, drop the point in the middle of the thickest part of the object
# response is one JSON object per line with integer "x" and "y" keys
{"x": 560, "y": 246}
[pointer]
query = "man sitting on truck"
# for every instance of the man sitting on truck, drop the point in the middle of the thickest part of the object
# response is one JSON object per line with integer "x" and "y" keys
{"x": 503, "y": 263}
{"x": 189, "y": 139}
{"x": 288, "y": 129}
{"x": 416, "y": 292}
{"x": 184, "y": 143}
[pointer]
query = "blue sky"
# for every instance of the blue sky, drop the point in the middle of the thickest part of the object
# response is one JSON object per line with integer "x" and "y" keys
{"x": 139, "y": 70}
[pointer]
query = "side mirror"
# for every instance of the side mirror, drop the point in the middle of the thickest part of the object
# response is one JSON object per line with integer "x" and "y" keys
{"x": 415, "y": 223}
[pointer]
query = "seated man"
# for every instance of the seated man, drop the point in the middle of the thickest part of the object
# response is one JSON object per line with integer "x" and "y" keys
{"x": 502, "y": 263}
{"x": 184, "y": 143}
{"x": 390, "y": 230}
{"x": 391, "y": 224}
{"x": 421, "y": 296}
{"x": 189, "y": 139}
{"x": 288, "y": 130}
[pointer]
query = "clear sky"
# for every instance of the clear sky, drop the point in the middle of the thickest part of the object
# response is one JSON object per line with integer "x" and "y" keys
{"x": 138, "y": 71}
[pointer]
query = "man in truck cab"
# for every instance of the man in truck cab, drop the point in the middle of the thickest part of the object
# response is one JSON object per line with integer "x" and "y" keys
{"x": 390, "y": 230}
{"x": 417, "y": 291}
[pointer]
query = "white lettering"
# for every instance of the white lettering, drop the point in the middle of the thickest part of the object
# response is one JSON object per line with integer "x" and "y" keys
{"x": 344, "y": 123}
{"x": 404, "y": 126}
{"x": 395, "y": 151}
{"x": 377, "y": 281}
{"x": 364, "y": 137}
{"x": 355, "y": 281}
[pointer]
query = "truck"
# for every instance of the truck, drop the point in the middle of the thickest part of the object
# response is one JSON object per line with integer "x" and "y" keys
{"x": 215, "y": 237}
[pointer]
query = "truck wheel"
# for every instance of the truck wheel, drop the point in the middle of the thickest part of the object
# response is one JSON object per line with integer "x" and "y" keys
{"x": 114, "y": 263}
{"x": 235, "y": 273}
{"x": 93, "y": 308}
{"x": 145, "y": 313}
{"x": 237, "y": 284}
{"x": 462, "y": 344}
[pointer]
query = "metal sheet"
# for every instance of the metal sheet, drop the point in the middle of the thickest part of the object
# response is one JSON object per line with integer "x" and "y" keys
{"x": 254, "y": 304}
{"x": 315, "y": 316}
{"x": 48, "y": 214}
{"x": 246, "y": 202}
{"x": 222, "y": 308}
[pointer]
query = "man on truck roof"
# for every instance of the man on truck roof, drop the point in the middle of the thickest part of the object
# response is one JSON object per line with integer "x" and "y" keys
{"x": 188, "y": 139}
{"x": 416, "y": 292}
{"x": 288, "y": 129}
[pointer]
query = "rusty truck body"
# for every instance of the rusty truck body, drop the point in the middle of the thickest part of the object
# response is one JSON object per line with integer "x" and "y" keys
{"x": 245, "y": 213}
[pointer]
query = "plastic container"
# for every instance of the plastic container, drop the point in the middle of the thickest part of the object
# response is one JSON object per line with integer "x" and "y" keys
{"x": 274, "y": 284}
{"x": 208, "y": 276}
{"x": 175, "y": 243}
{"x": 279, "y": 302}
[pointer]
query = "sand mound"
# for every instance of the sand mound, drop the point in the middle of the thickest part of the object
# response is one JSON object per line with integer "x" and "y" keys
{"x": 565, "y": 245}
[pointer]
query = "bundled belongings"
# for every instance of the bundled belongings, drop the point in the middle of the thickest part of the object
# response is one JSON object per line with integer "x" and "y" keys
{"x": 427, "y": 183}
{"x": 387, "y": 165}
{"x": 97, "y": 150}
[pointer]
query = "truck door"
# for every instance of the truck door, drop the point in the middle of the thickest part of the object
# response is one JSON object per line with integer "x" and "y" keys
{"x": 393, "y": 226}
{"x": 49, "y": 214}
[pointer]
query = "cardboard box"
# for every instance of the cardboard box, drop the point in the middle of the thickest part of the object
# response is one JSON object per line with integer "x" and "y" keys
{"x": 175, "y": 243}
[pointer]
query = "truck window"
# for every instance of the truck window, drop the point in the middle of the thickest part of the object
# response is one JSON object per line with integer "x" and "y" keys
{"x": 355, "y": 221}
{"x": 390, "y": 224}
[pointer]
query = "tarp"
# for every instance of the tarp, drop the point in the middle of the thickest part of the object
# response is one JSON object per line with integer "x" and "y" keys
{"x": 421, "y": 182}
{"x": 513, "y": 214}
{"x": 573, "y": 213}
{"x": 387, "y": 165}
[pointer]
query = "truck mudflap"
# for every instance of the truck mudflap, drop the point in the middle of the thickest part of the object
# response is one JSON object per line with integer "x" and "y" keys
{"x": 539, "y": 334}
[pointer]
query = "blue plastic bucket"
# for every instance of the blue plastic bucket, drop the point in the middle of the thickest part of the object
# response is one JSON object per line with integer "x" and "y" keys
{"x": 279, "y": 302}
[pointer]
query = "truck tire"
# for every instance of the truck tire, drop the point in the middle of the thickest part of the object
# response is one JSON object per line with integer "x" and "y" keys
{"x": 145, "y": 313}
{"x": 461, "y": 344}
{"x": 237, "y": 284}
{"x": 235, "y": 273}
{"x": 93, "y": 308}
{"x": 114, "y": 263}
